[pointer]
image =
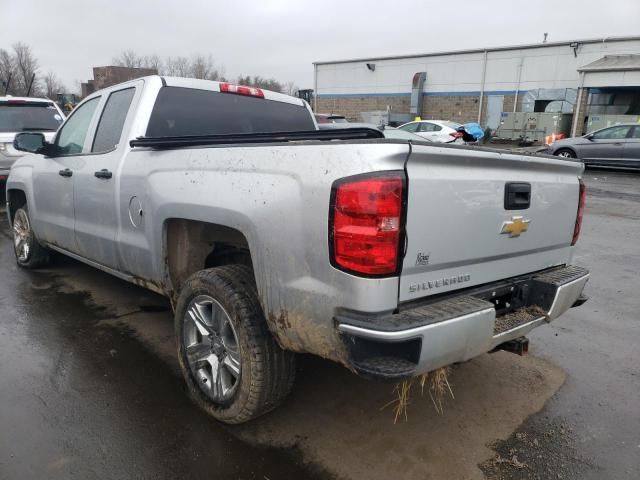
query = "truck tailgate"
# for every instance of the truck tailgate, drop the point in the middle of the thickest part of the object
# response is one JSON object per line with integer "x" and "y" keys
{"x": 460, "y": 234}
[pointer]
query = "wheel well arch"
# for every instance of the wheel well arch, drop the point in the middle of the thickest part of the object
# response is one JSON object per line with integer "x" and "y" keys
{"x": 15, "y": 199}
{"x": 193, "y": 245}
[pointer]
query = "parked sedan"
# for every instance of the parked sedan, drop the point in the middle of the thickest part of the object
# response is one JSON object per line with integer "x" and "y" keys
{"x": 616, "y": 147}
{"x": 330, "y": 118}
{"x": 388, "y": 132}
{"x": 435, "y": 130}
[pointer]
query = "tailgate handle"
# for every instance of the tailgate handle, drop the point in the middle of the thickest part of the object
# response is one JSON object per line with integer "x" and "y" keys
{"x": 517, "y": 196}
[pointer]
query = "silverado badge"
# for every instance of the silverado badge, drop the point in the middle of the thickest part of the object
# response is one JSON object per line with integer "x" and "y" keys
{"x": 515, "y": 226}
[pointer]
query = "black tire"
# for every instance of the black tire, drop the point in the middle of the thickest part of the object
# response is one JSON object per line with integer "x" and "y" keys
{"x": 36, "y": 255}
{"x": 566, "y": 153}
{"x": 267, "y": 371}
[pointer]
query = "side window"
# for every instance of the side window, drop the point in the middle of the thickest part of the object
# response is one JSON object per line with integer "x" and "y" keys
{"x": 411, "y": 127}
{"x": 613, "y": 133}
{"x": 71, "y": 137}
{"x": 636, "y": 132}
{"x": 112, "y": 120}
{"x": 436, "y": 128}
{"x": 426, "y": 127}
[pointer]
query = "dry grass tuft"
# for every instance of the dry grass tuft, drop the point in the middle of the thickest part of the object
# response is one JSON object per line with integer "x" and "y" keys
{"x": 439, "y": 387}
{"x": 436, "y": 383}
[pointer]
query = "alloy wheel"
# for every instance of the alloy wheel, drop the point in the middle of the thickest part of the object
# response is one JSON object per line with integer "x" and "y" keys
{"x": 212, "y": 349}
{"x": 22, "y": 237}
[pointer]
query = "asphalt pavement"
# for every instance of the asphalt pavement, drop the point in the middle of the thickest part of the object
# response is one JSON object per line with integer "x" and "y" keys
{"x": 89, "y": 387}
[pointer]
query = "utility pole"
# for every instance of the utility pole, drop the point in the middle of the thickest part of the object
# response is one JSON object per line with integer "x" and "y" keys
{"x": 6, "y": 85}
{"x": 30, "y": 84}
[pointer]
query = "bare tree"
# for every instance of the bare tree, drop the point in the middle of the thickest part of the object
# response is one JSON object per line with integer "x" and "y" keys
{"x": 26, "y": 66}
{"x": 290, "y": 88}
{"x": 199, "y": 66}
{"x": 131, "y": 59}
{"x": 128, "y": 58}
{"x": 204, "y": 67}
{"x": 177, "y": 67}
{"x": 261, "y": 82}
{"x": 52, "y": 85}
{"x": 7, "y": 69}
{"x": 153, "y": 61}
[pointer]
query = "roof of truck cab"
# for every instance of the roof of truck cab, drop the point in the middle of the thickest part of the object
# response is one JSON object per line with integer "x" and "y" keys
{"x": 215, "y": 86}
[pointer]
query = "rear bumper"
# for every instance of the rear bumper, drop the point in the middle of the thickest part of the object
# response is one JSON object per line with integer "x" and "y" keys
{"x": 458, "y": 327}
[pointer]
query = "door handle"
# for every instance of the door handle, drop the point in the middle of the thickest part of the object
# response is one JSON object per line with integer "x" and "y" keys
{"x": 104, "y": 173}
{"x": 65, "y": 173}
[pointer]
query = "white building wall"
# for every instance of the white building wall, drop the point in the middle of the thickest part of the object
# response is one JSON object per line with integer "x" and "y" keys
{"x": 551, "y": 66}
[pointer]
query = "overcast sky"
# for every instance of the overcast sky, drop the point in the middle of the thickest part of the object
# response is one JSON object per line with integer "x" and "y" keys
{"x": 281, "y": 38}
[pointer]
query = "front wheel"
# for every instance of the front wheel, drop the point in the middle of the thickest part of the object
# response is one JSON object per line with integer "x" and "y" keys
{"x": 29, "y": 252}
{"x": 566, "y": 153}
{"x": 233, "y": 367}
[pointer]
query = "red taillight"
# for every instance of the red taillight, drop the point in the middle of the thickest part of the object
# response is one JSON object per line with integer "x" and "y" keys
{"x": 456, "y": 134}
{"x": 366, "y": 223}
{"x": 579, "y": 215}
{"x": 241, "y": 90}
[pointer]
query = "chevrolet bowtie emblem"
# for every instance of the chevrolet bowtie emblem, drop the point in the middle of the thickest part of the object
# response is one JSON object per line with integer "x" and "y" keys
{"x": 515, "y": 226}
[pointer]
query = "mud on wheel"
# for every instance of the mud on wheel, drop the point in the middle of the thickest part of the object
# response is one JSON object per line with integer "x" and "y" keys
{"x": 233, "y": 367}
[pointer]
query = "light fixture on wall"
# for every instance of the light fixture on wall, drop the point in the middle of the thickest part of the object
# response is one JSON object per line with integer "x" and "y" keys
{"x": 371, "y": 66}
{"x": 575, "y": 46}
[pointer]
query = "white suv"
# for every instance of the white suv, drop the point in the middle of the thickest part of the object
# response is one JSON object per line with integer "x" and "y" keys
{"x": 24, "y": 114}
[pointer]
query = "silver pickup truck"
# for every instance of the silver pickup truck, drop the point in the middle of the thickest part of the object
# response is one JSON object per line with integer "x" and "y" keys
{"x": 271, "y": 237}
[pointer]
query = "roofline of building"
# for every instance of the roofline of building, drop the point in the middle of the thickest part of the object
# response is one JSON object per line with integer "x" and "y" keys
{"x": 482, "y": 50}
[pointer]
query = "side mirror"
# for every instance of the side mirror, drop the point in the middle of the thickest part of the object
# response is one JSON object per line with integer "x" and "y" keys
{"x": 29, "y": 142}
{"x": 589, "y": 136}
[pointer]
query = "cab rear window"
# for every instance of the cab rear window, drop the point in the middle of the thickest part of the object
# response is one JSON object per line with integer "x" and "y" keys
{"x": 182, "y": 111}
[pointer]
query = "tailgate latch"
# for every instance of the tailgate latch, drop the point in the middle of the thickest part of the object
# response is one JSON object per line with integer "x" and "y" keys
{"x": 517, "y": 196}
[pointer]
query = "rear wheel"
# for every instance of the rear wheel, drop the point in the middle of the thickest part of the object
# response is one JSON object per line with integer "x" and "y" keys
{"x": 565, "y": 153}
{"x": 29, "y": 252}
{"x": 233, "y": 367}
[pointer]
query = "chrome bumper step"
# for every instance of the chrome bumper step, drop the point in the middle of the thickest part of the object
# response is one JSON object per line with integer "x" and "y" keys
{"x": 456, "y": 329}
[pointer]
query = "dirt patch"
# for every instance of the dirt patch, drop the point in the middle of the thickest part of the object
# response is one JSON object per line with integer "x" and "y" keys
{"x": 541, "y": 448}
{"x": 335, "y": 418}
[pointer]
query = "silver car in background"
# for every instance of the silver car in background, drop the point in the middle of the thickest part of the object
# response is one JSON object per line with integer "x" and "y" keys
{"x": 614, "y": 147}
